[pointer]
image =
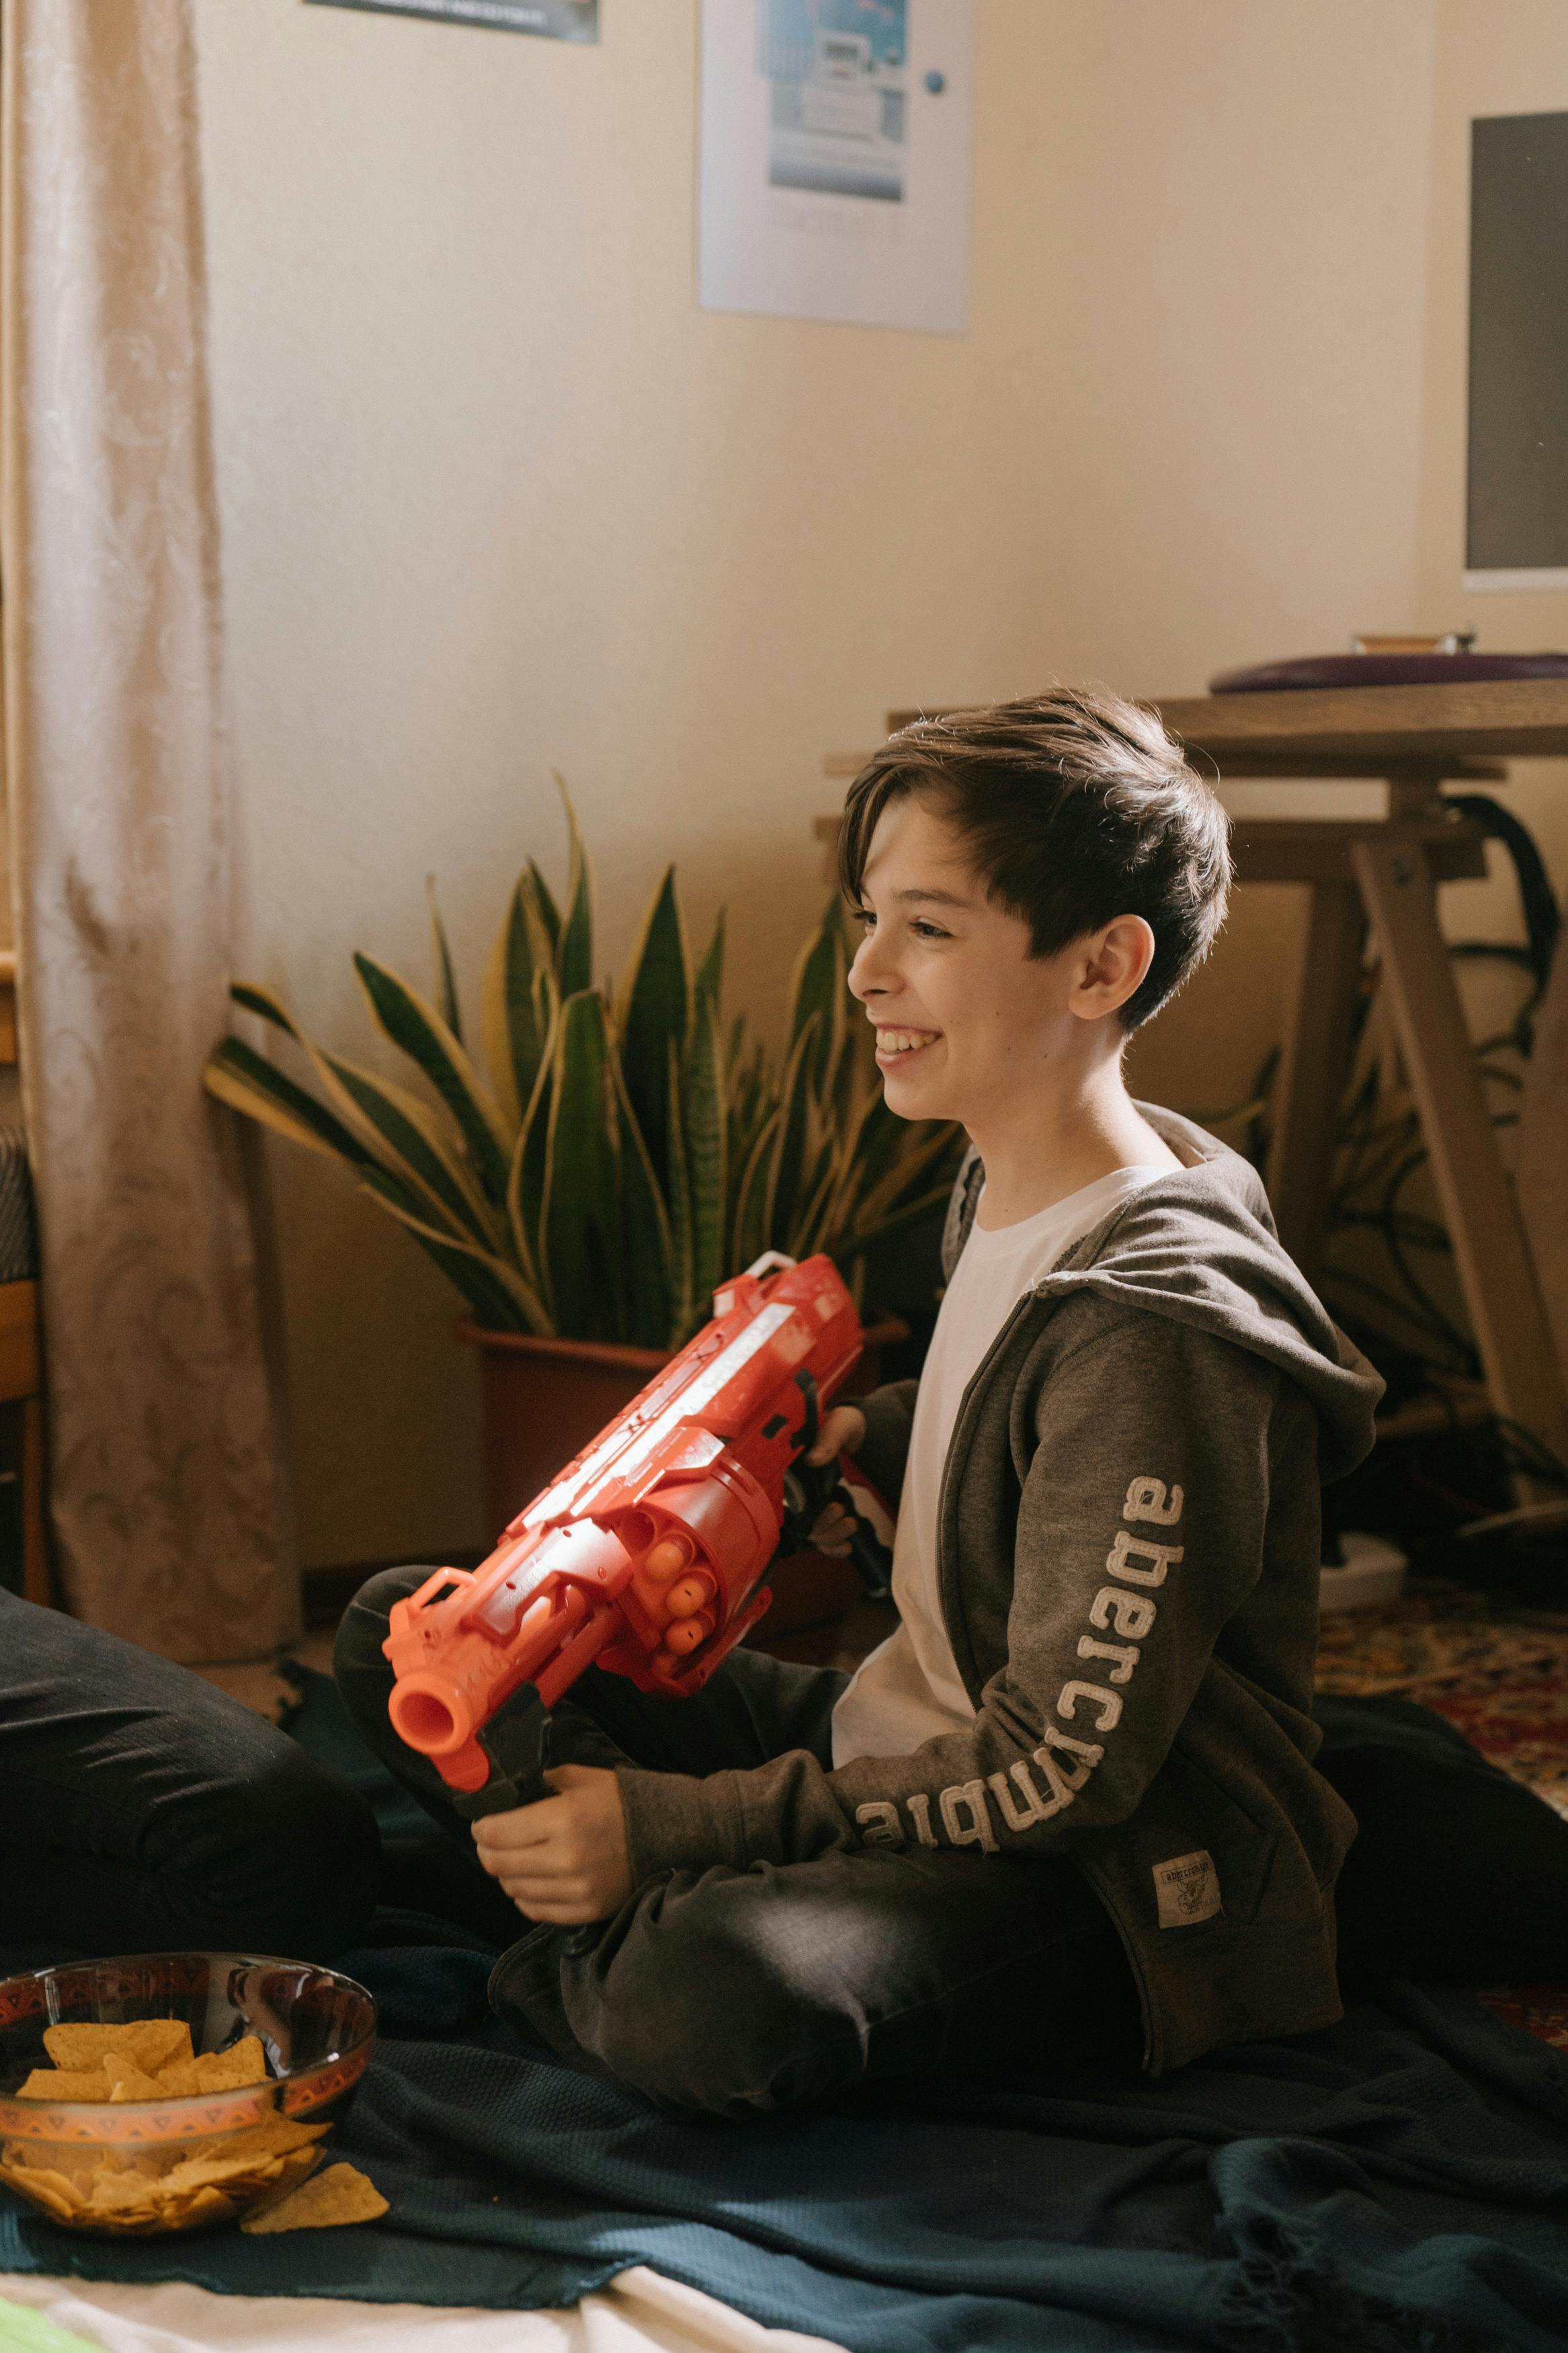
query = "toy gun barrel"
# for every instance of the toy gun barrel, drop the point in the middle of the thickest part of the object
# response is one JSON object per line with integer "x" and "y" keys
{"x": 528, "y": 1618}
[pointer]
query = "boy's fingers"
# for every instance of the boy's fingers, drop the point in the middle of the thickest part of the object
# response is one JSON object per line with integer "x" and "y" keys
{"x": 840, "y": 1434}
{"x": 524, "y": 1826}
{"x": 834, "y": 1530}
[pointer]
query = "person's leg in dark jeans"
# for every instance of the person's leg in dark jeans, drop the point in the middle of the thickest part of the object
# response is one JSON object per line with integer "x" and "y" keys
{"x": 736, "y": 1993}
{"x": 145, "y": 1811}
{"x": 731, "y": 1993}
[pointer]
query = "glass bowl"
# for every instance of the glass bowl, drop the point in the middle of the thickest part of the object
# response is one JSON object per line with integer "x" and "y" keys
{"x": 142, "y": 2168}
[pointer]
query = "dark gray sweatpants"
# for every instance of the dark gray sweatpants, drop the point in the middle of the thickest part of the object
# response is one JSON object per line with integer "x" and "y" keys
{"x": 728, "y": 1992}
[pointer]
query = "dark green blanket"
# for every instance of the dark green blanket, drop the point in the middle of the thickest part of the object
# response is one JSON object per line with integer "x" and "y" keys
{"x": 1398, "y": 2181}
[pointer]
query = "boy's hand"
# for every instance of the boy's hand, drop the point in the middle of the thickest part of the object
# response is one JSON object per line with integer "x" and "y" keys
{"x": 841, "y": 1433}
{"x": 564, "y": 1860}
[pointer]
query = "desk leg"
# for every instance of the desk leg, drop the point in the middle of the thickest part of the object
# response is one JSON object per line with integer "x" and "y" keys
{"x": 1314, "y": 1069}
{"x": 1474, "y": 1189}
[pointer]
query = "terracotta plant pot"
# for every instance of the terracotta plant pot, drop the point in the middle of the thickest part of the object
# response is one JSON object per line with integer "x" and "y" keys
{"x": 544, "y": 1399}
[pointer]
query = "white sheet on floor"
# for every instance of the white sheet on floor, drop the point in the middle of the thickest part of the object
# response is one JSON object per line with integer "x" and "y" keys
{"x": 639, "y": 2312}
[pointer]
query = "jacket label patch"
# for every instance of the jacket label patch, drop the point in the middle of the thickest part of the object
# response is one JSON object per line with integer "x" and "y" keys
{"x": 1187, "y": 1890}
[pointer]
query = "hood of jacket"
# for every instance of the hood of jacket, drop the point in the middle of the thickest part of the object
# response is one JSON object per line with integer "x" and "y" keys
{"x": 1198, "y": 1245}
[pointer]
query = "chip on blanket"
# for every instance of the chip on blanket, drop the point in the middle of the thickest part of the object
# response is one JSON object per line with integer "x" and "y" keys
{"x": 341, "y": 2194}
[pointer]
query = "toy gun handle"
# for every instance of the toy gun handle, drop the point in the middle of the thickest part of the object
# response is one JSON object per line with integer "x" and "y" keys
{"x": 810, "y": 1487}
{"x": 513, "y": 1740}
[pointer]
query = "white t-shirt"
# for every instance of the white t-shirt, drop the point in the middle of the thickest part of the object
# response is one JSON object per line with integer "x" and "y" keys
{"x": 909, "y": 1688}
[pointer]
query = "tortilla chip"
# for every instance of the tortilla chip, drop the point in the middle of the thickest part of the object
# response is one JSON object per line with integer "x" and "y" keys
{"x": 40, "y": 2177}
{"x": 206, "y": 2206}
{"x": 231, "y": 2070}
{"x": 128, "y": 2082}
{"x": 51, "y": 2189}
{"x": 206, "y": 2172}
{"x": 293, "y": 2169}
{"x": 340, "y": 2195}
{"x": 273, "y": 2136}
{"x": 65, "y": 2084}
{"x": 123, "y": 2192}
{"x": 149, "y": 2043}
{"x": 179, "y": 2079}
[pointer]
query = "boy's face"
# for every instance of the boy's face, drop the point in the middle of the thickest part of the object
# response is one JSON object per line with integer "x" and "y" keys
{"x": 967, "y": 1022}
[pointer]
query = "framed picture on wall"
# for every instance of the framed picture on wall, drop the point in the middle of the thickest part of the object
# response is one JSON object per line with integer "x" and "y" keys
{"x": 833, "y": 179}
{"x": 554, "y": 20}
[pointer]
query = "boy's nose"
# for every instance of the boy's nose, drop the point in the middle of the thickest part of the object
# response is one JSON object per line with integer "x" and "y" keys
{"x": 863, "y": 979}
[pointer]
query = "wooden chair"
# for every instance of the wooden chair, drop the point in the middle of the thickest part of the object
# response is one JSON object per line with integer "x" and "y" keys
{"x": 21, "y": 1379}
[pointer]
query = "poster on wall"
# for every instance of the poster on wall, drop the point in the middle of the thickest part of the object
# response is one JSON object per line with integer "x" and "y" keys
{"x": 834, "y": 181}
{"x": 556, "y": 20}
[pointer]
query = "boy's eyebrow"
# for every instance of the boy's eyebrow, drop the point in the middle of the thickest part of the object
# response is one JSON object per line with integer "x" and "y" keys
{"x": 935, "y": 898}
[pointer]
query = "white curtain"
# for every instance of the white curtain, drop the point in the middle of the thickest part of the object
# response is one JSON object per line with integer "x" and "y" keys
{"x": 169, "y": 1506}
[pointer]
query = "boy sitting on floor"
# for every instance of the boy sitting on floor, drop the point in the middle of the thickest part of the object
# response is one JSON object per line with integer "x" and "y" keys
{"x": 1066, "y": 1814}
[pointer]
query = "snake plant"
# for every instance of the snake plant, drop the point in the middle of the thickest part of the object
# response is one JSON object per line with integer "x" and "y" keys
{"x": 601, "y": 1162}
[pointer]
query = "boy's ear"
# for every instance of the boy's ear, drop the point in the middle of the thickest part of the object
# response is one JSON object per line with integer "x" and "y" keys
{"x": 1111, "y": 966}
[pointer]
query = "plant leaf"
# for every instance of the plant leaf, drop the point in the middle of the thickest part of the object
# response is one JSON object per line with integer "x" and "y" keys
{"x": 411, "y": 1148}
{"x": 422, "y": 1034}
{"x": 817, "y": 986}
{"x": 796, "y": 1107}
{"x": 549, "y": 912}
{"x": 412, "y": 1134}
{"x": 677, "y": 1192}
{"x": 525, "y": 1182}
{"x": 574, "y": 949}
{"x": 579, "y": 1243}
{"x": 647, "y": 1246}
{"x": 709, "y": 979}
{"x": 842, "y": 1248}
{"x": 496, "y": 1292}
{"x": 441, "y": 955}
{"x": 237, "y": 1075}
{"x": 874, "y": 1206}
{"x": 654, "y": 1013}
{"x": 805, "y": 1233}
{"x": 707, "y": 1140}
{"x": 514, "y": 1031}
{"x": 752, "y": 1194}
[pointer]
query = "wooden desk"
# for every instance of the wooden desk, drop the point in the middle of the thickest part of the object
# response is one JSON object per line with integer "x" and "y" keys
{"x": 1417, "y": 738}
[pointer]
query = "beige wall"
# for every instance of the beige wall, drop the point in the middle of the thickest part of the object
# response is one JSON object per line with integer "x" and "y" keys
{"x": 497, "y": 496}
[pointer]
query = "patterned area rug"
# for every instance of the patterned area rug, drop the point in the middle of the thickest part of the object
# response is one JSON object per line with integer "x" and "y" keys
{"x": 1501, "y": 1678}
{"x": 1502, "y": 1681}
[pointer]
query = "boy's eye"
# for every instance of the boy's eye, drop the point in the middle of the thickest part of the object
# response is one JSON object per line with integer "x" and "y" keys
{"x": 929, "y": 931}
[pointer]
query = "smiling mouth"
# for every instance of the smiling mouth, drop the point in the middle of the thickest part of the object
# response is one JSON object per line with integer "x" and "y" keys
{"x": 902, "y": 1045}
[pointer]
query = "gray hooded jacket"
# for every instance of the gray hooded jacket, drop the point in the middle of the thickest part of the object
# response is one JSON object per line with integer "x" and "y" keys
{"x": 1128, "y": 1560}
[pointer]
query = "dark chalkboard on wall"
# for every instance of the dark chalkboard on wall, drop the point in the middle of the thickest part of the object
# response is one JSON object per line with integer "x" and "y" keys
{"x": 556, "y": 20}
{"x": 1517, "y": 492}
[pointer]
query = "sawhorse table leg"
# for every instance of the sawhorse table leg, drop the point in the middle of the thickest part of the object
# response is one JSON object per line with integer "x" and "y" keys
{"x": 1314, "y": 1069}
{"x": 1474, "y": 1190}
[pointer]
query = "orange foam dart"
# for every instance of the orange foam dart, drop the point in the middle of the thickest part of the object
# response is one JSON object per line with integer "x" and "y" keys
{"x": 660, "y": 1565}
{"x": 649, "y": 1552}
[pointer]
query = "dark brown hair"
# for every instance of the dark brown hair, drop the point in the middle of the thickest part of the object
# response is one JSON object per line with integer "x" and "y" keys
{"x": 1075, "y": 807}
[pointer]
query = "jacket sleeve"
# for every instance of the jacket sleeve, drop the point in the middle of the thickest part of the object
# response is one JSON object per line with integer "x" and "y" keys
{"x": 1140, "y": 1532}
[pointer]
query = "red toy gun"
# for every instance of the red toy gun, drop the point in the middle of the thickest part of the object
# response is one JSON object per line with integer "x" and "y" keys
{"x": 647, "y": 1552}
